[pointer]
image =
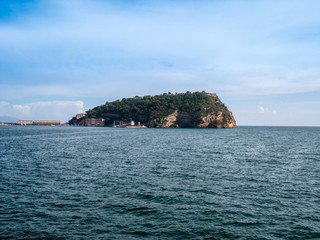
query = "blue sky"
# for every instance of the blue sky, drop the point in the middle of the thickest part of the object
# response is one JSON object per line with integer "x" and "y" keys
{"x": 58, "y": 58}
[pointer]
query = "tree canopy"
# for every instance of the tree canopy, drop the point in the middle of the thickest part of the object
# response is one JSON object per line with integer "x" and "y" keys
{"x": 151, "y": 109}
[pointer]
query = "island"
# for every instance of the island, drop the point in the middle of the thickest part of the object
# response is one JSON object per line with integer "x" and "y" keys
{"x": 167, "y": 110}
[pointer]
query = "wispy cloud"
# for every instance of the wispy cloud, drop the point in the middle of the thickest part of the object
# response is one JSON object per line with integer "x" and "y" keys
{"x": 22, "y": 109}
{"x": 63, "y": 110}
{"x": 256, "y": 47}
{"x": 265, "y": 110}
{"x": 55, "y": 110}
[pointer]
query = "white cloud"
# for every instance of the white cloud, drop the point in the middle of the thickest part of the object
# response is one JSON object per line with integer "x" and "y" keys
{"x": 264, "y": 110}
{"x": 261, "y": 110}
{"x": 51, "y": 110}
{"x": 24, "y": 110}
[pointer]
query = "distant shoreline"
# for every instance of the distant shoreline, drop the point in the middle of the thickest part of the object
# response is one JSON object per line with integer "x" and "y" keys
{"x": 144, "y": 127}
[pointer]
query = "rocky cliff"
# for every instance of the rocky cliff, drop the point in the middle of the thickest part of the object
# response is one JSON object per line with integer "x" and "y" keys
{"x": 179, "y": 110}
{"x": 212, "y": 120}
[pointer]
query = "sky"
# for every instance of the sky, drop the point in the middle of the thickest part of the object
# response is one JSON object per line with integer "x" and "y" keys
{"x": 262, "y": 58}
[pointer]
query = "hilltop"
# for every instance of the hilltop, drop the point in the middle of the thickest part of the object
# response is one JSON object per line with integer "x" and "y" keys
{"x": 195, "y": 110}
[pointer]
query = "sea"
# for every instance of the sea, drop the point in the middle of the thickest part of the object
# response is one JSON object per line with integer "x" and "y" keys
{"x": 114, "y": 183}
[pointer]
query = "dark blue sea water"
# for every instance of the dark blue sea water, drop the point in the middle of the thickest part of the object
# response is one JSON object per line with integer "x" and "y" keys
{"x": 109, "y": 183}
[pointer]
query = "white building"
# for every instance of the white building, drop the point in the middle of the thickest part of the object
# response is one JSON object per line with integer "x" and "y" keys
{"x": 25, "y": 122}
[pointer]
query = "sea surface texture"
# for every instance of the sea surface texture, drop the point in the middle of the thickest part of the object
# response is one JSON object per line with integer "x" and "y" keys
{"x": 111, "y": 183}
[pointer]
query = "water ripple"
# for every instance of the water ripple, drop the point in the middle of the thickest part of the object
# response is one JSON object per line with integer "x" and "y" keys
{"x": 105, "y": 183}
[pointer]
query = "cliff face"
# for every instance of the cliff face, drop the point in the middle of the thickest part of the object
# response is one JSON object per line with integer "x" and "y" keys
{"x": 219, "y": 120}
{"x": 180, "y": 119}
{"x": 177, "y": 119}
{"x": 179, "y": 110}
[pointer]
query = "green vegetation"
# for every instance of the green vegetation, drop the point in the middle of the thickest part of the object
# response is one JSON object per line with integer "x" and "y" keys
{"x": 150, "y": 110}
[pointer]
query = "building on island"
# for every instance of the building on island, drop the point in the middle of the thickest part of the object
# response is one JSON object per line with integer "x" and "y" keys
{"x": 90, "y": 122}
{"x": 80, "y": 115}
{"x": 25, "y": 122}
{"x": 47, "y": 122}
{"x": 130, "y": 124}
{"x": 210, "y": 94}
{"x": 39, "y": 122}
{"x": 99, "y": 122}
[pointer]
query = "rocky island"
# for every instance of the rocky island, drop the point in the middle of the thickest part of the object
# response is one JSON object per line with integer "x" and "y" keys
{"x": 168, "y": 110}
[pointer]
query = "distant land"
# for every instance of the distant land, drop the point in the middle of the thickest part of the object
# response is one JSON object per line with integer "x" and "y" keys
{"x": 33, "y": 122}
{"x": 168, "y": 110}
